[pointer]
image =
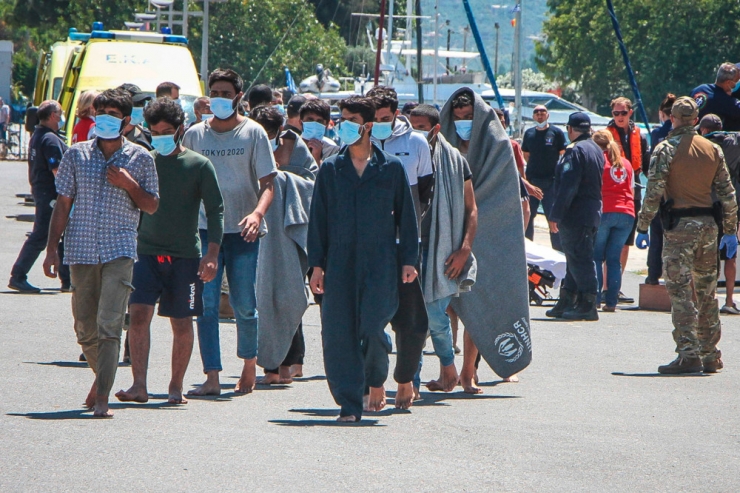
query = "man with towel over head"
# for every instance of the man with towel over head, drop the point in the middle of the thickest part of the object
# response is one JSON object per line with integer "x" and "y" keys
{"x": 496, "y": 312}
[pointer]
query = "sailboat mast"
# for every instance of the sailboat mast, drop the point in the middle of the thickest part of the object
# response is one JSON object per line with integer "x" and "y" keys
{"x": 390, "y": 31}
{"x": 380, "y": 42}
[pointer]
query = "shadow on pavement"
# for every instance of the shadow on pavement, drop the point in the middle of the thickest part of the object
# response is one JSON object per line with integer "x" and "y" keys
{"x": 45, "y": 292}
{"x": 88, "y": 413}
{"x": 315, "y": 378}
{"x": 437, "y": 398}
{"x": 308, "y": 423}
{"x": 658, "y": 375}
{"x": 60, "y": 364}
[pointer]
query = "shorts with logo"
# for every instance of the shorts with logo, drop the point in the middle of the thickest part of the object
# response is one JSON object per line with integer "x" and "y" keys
{"x": 173, "y": 281}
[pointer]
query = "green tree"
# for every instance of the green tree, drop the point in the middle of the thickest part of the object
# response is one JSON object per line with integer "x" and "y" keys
{"x": 674, "y": 45}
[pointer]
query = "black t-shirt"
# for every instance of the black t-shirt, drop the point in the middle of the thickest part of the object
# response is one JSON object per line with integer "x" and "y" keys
{"x": 544, "y": 147}
{"x": 426, "y": 218}
{"x": 45, "y": 153}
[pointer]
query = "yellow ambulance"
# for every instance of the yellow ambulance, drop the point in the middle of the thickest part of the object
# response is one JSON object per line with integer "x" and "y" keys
{"x": 111, "y": 58}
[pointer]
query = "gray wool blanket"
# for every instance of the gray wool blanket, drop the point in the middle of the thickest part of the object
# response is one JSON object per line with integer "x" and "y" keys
{"x": 496, "y": 311}
{"x": 447, "y": 224}
{"x": 282, "y": 297}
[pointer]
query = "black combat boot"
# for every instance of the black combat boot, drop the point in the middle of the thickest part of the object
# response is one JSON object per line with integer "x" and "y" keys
{"x": 566, "y": 302}
{"x": 713, "y": 363}
{"x": 585, "y": 309}
{"x": 682, "y": 364}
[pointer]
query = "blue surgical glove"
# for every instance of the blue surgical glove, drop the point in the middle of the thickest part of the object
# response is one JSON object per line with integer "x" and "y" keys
{"x": 729, "y": 242}
{"x": 643, "y": 241}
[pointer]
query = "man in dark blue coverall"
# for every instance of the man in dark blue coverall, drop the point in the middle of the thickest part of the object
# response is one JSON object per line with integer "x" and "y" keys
{"x": 576, "y": 214}
{"x": 361, "y": 204}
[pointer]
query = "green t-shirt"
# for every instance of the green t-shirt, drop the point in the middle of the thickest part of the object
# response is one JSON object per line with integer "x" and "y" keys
{"x": 185, "y": 180}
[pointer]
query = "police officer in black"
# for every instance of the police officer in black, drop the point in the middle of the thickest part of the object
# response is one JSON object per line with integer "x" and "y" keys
{"x": 45, "y": 153}
{"x": 576, "y": 214}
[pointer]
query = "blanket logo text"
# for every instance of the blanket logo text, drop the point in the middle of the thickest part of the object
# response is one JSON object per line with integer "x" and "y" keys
{"x": 509, "y": 346}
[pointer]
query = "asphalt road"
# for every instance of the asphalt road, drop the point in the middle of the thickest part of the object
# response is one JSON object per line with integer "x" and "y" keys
{"x": 590, "y": 414}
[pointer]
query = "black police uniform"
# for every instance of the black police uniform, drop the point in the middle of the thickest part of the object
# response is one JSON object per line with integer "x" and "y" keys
{"x": 577, "y": 211}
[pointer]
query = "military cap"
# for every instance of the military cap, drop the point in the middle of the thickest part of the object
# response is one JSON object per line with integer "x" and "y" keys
{"x": 685, "y": 109}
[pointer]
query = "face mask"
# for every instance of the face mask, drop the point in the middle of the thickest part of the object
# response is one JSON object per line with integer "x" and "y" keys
{"x": 137, "y": 116}
{"x": 423, "y": 133}
{"x": 541, "y": 125}
{"x": 737, "y": 86}
{"x": 349, "y": 132}
{"x": 222, "y": 108}
{"x": 108, "y": 127}
{"x": 62, "y": 122}
{"x": 206, "y": 116}
{"x": 164, "y": 144}
{"x": 382, "y": 130}
{"x": 280, "y": 108}
{"x": 464, "y": 129}
{"x": 274, "y": 143}
{"x": 313, "y": 130}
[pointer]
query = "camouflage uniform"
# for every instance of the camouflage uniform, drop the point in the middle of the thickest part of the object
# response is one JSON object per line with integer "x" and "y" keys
{"x": 690, "y": 252}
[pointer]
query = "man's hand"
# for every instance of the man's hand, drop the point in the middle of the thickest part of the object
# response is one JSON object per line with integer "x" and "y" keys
{"x": 456, "y": 263}
{"x": 51, "y": 263}
{"x": 316, "y": 147}
{"x": 553, "y": 227}
{"x": 251, "y": 226}
{"x": 643, "y": 241}
{"x": 208, "y": 267}
{"x": 317, "y": 281}
{"x": 408, "y": 274}
{"x": 119, "y": 177}
{"x": 533, "y": 191}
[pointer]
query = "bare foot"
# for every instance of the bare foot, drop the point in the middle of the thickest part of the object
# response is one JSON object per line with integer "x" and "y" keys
{"x": 469, "y": 385}
{"x": 511, "y": 379}
{"x": 211, "y": 386}
{"x": 175, "y": 395}
{"x": 377, "y": 399}
{"x": 269, "y": 379}
{"x": 286, "y": 375}
{"x": 366, "y": 403}
{"x": 404, "y": 395}
{"x": 248, "y": 380}
{"x": 90, "y": 399}
{"x": 101, "y": 409}
{"x": 417, "y": 395}
{"x": 135, "y": 394}
{"x": 449, "y": 378}
{"x": 347, "y": 419}
{"x": 435, "y": 385}
{"x": 296, "y": 371}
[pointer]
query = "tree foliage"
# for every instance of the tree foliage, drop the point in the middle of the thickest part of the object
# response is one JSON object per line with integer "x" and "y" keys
{"x": 243, "y": 34}
{"x": 674, "y": 45}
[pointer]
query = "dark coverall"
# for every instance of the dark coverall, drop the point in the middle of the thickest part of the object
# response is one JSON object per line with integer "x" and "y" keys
{"x": 352, "y": 235}
{"x": 577, "y": 210}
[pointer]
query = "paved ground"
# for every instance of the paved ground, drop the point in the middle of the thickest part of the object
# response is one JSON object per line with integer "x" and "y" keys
{"x": 590, "y": 414}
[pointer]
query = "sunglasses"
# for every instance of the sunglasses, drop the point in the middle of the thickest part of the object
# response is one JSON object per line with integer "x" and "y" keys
{"x": 539, "y": 111}
{"x": 620, "y": 113}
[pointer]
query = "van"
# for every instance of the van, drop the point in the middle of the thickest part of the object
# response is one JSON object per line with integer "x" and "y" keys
{"x": 112, "y": 58}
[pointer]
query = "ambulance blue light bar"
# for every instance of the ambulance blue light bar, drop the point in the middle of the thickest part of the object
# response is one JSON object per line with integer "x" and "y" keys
{"x": 140, "y": 36}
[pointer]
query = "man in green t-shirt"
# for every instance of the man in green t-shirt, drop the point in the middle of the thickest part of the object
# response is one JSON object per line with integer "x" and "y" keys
{"x": 169, "y": 269}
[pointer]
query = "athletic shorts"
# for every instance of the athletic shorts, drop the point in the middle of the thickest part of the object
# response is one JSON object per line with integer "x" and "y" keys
{"x": 723, "y": 251}
{"x": 173, "y": 281}
{"x": 523, "y": 190}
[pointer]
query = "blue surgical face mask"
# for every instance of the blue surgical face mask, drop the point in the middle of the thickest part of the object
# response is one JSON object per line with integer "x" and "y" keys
{"x": 313, "y": 130}
{"x": 108, "y": 127}
{"x": 737, "y": 86}
{"x": 541, "y": 125}
{"x": 280, "y": 108}
{"x": 222, "y": 108}
{"x": 382, "y": 130}
{"x": 137, "y": 116}
{"x": 62, "y": 122}
{"x": 349, "y": 132}
{"x": 423, "y": 133}
{"x": 464, "y": 129}
{"x": 274, "y": 143}
{"x": 206, "y": 116}
{"x": 164, "y": 144}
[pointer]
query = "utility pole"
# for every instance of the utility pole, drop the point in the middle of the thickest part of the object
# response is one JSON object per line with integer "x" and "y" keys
{"x": 390, "y": 30}
{"x": 466, "y": 30}
{"x": 419, "y": 65}
{"x": 518, "y": 69}
{"x": 204, "y": 45}
{"x": 436, "y": 48}
{"x": 449, "y": 32}
{"x": 495, "y": 67}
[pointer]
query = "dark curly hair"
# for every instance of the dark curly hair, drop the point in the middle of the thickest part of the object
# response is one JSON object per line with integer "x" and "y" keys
{"x": 463, "y": 99}
{"x": 365, "y": 107}
{"x": 269, "y": 117}
{"x": 114, "y": 98}
{"x": 164, "y": 109}
{"x": 226, "y": 75}
{"x": 385, "y": 97}
{"x": 318, "y": 107}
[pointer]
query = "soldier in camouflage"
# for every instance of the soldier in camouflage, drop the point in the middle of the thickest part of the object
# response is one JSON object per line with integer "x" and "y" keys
{"x": 685, "y": 169}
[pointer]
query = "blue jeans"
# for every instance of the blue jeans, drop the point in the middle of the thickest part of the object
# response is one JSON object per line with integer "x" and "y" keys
{"x": 613, "y": 231}
{"x": 239, "y": 258}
